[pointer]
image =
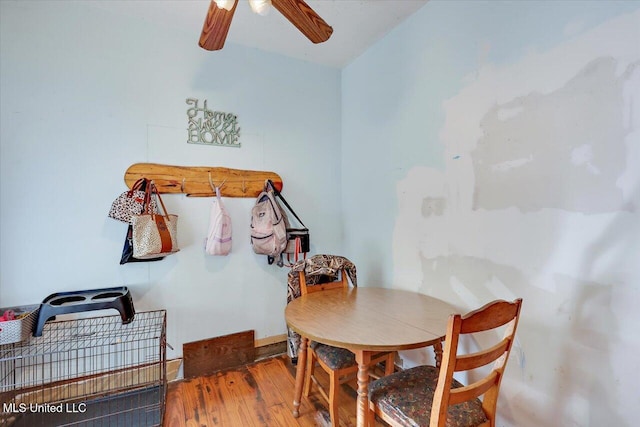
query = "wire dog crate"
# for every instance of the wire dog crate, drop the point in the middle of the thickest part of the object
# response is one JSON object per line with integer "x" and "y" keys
{"x": 87, "y": 372}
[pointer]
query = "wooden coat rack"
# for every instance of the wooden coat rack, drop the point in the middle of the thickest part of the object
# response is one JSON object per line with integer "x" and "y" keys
{"x": 197, "y": 181}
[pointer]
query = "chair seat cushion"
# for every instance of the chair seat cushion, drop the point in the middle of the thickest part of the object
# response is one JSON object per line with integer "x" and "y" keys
{"x": 334, "y": 357}
{"x": 407, "y": 397}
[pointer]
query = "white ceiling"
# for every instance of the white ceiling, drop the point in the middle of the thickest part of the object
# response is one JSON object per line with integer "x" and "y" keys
{"x": 357, "y": 24}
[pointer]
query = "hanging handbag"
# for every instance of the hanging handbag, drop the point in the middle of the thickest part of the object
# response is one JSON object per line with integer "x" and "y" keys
{"x": 154, "y": 234}
{"x": 131, "y": 202}
{"x": 298, "y": 239}
{"x": 127, "y": 249}
{"x": 218, "y": 241}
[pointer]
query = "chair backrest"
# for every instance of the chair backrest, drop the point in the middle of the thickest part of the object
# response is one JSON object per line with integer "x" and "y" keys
{"x": 341, "y": 282}
{"x": 491, "y": 316}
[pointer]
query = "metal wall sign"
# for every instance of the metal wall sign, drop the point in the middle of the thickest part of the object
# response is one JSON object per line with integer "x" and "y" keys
{"x": 211, "y": 127}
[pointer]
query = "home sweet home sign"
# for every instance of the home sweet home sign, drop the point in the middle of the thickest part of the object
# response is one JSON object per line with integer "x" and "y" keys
{"x": 211, "y": 127}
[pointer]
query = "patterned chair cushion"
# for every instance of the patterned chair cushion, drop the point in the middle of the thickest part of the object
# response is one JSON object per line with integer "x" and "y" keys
{"x": 334, "y": 357}
{"x": 407, "y": 397}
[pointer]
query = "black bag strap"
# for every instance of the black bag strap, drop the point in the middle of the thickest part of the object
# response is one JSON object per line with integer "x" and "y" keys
{"x": 279, "y": 195}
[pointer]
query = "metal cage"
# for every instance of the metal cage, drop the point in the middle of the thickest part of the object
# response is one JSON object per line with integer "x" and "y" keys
{"x": 91, "y": 372}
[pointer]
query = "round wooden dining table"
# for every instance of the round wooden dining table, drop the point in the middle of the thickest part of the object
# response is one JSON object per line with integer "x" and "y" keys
{"x": 366, "y": 320}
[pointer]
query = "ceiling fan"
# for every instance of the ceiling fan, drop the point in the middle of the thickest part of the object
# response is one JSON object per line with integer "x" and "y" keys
{"x": 218, "y": 20}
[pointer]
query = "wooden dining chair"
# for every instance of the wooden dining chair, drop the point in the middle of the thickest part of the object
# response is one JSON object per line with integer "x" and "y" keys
{"x": 426, "y": 396}
{"x": 339, "y": 363}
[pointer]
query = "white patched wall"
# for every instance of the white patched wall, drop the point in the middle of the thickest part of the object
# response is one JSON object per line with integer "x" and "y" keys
{"x": 539, "y": 199}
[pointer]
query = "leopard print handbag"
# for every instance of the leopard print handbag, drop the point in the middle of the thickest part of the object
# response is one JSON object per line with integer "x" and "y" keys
{"x": 131, "y": 202}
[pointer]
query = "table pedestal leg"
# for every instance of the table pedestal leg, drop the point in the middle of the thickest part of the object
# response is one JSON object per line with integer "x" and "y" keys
{"x": 300, "y": 371}
{"x": 364, "y": 360}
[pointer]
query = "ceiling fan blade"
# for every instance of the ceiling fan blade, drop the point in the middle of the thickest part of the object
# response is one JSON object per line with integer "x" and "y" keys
{"x": 216, "y": 26}
{"x": 305, "y": 19}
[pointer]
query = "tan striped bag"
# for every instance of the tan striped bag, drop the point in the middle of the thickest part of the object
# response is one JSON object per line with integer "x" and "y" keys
{"x": 154, "y": 234}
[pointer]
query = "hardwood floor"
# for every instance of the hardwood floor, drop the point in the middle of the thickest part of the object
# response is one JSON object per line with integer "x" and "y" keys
{"x": 260, "y": 394}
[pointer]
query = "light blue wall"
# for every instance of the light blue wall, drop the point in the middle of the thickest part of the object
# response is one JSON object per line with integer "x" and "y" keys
{"x": 86, "y": 94}
{"x": 491, "y": 150}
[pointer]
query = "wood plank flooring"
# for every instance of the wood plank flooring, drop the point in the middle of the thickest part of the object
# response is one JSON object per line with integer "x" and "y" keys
{"x": 260, "y": 394}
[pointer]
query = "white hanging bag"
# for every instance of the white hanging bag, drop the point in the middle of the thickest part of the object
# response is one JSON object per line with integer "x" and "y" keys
{"x": 218, "y": 241}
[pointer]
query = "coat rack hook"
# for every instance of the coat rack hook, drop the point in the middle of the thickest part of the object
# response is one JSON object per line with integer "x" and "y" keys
{"x": 213, "y": 184}
{"x": 182, "y": 185}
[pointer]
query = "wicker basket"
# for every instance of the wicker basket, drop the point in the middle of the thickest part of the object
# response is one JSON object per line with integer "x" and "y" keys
{"x": 13, "y": 331}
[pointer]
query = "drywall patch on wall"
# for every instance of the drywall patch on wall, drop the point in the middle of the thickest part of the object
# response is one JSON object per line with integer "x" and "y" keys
{"x": 474, "y": 280}
{"x": 433, "y": 206}
{"x": 564, "y": 149}
{"x": 422, "y": 205}
{"x": 500, "y": 90}
{"x": 588, "y": 319}
{"x": 573, "y": 261}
